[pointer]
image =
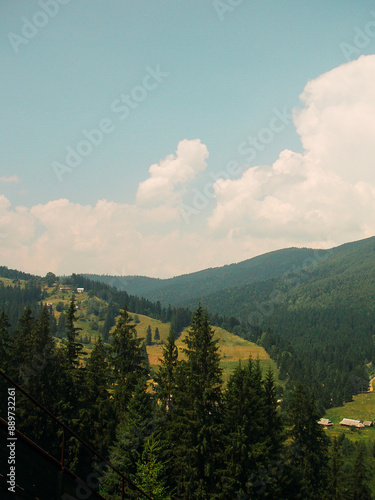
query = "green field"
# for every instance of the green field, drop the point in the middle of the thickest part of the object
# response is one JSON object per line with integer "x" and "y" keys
{"x": 361, "y": 408}
{"x": 231, "y": 347}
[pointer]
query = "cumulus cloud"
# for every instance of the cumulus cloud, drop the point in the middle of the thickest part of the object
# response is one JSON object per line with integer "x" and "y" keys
{"x": 326, "y": 194}
{"x": 319, "y": 198}
{"x": 169, "y": 177}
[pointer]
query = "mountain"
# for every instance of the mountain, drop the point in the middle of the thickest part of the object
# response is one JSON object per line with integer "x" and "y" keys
{"x": 312, "y": 310}
{"x": 193, "y": 287}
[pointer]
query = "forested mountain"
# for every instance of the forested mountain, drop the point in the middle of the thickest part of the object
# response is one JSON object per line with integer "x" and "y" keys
{"x": 190, "y": 288}
{"x": 313, "y": 311}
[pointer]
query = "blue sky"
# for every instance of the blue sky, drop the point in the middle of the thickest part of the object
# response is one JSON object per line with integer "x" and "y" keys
{"x": 222, "y": 72}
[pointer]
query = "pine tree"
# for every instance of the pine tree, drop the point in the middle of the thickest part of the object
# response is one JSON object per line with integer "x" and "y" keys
{"x": 157, "y": 334}
{"x": 97, "y": 417}
{"x": 151, "y": 471}
{"x": 73, "y": 348}
{"x": 360, "y": 476}
{"x": 109, "y": 321}
{"x": 5, "y": 361}
{"x": 148, "y": 336}
{"x": 131, "y": 434}
{"x": 309, "y": 445}
{"x": 195, "y": 420}
{"x": 126, "y": 358}
{"x": 5, "y": 341}
{"x": 252, "y": 431}
{"x": 335, "y": 475}
{"x": 61, "y": 326}
{"x": 22, "y": 347}
{"x": 165, "y": 377}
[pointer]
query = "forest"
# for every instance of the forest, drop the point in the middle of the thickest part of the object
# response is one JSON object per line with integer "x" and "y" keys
{"x": 182, "y": 433}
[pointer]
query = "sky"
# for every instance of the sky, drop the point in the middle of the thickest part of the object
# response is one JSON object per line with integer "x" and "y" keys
{"x": 162, "y": 138}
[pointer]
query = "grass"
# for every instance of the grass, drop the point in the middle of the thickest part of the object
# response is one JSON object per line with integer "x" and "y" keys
{"x": 361, "y": 408}
{"x": 232, "y": 348}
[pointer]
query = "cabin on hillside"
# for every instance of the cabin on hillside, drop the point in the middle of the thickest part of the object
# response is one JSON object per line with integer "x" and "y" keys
{"x": 349, "y": 422}
{"x": 80, "y": 290}
{"x": 325, "y": 422}
{"x": 367, "y": 423}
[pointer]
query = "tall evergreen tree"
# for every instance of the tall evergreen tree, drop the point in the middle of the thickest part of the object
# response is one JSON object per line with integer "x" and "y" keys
{"x": 195, "y": 420}
{"x": 148, "y": 336}
{"x": 97, "y": 415}
{"x": 157, "y": 334}
{"x": 126, "y": 359}
{"x": 309, "y": 446}
{"x": 360, "y": 476}
{"x": 22, "y": 347}
{"x": 150, "y": 474}
{"x": 73, "y": 348}
{"x": 131, "y": 435}
{"x": 166, "y": 375}
{"x": 5, "y": 341}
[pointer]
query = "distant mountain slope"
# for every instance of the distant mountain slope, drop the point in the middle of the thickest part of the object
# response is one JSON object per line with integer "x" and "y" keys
{"x": 190, "y": 288}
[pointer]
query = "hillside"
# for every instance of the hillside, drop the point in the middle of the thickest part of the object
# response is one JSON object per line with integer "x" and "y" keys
{"x": 313, "y": 311}
{"x": 190, "y": 288}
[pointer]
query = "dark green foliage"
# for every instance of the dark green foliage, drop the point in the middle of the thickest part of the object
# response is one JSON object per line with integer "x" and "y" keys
{"x": 148, "y": 336}
{"x": 360, "y": 476}
{"x": 5, "y": 341}
{"x": 195, "y": 420}
{"x": 136, "y": 426}
{"x": 157, "y": 334}
{"x": 73, "y": 348}
{"x": 166, "y": 375}
{"x": 309, "y": 446}
{"x": 253, "y": 434}
{"x": 126, "y": 358}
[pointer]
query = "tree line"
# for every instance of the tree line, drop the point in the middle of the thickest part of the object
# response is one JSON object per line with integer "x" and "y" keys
{"x": 185, "y": 434}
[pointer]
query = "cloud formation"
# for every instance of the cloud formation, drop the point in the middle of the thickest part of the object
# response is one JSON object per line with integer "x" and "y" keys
{"x": 320, "y": 198}
{"x": 11, "y": 179}
{"x": 169, "y": 178}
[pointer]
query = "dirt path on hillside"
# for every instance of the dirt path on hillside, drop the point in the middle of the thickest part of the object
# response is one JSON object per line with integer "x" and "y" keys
{"x": 371, "y": 386}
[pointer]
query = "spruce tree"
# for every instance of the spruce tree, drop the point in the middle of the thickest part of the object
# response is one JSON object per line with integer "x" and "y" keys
{"x": 22, "y": 347}
{"x": 195, "y": 420}
{"x": 165, "y": 376}
{"x": 309, "y": 445}
{"x": 126, "y": 359}
{"x": 360, "y": 476}
{"x": 150, "y": 474}
{"x": 73, "y": 348}
{"x": 148, "y": 336}
{"x": 5, "y": 341}
{"x": 157, "y": 334}
{"x": 97, "y": 416}
{"x": 131, "y": 434}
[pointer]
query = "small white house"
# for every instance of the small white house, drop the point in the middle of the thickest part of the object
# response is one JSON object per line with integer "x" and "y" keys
{"x": 80, "y": 290}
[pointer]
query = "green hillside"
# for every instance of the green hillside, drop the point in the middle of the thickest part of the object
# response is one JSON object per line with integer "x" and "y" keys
{"x": 190, "y": 288}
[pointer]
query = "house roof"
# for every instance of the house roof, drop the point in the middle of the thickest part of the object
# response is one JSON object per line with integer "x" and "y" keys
{"x": 325, "y": 421}
{"x": 351, "y": 422}
{"x": 367, "y": 423}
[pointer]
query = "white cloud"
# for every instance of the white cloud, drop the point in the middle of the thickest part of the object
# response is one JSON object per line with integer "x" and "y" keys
{"x": 169, "y": 177}
{"x": 323, "y": 197}
{"x": 11, "y": 179}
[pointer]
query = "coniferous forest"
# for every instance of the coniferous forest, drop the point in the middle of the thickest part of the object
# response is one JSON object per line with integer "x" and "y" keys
{"x": 180, "y": 432}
